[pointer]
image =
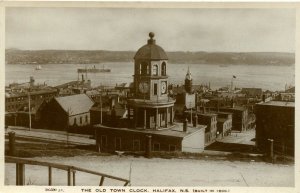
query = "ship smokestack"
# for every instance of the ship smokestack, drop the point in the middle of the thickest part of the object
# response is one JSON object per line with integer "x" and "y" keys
{"x": 185, "y": 125}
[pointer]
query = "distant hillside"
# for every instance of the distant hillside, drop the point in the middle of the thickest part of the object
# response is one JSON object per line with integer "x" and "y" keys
{"x": 14, "y": 56}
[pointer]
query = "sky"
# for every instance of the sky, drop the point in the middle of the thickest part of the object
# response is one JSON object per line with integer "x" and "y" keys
{"x": 122, "y": 29}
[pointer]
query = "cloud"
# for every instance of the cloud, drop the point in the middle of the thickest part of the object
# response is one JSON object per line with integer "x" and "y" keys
{"x": 128, "y": 28}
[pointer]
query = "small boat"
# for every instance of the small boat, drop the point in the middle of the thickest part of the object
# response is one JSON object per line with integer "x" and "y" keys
{"x": 93, "y": 70}
{"x": 39, "y": 67}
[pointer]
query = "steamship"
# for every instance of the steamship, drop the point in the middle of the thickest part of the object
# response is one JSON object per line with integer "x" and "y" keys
{"x": 93, "y": 70}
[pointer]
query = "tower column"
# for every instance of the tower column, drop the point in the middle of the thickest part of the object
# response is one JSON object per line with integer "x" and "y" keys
{"x": 145, "y": 118}
{"x": 135, "y": 117}
{"x": 166, "y": 117}
{"x": 171, "y": 115}
{"x": 156, "y": 118}
{"x": 128, "y": 113}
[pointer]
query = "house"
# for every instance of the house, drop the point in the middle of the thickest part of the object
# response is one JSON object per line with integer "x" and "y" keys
{"x": 93, "y": 94}
{"x": 21, "y": 118}
{"x": 276, "y": 120}
{"x": 19, "y": 100}
{"x": 74, "y": 87}
{"x": 208, "y": 119}
{"x": 24, "y": 100}
{"x": 224, "y": 124}
{"x": 68, "y": 111}
{"x": 252, "y": 92}
{"x": 239, "y": 117}
{"x": 287, "y": 95}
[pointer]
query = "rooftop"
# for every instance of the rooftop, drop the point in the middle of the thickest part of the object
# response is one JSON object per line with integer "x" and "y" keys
{"x": 175, "y": 131}
{"x": 34, "y": 92}
{"x": 223, "y": 113}
{"x": 150, "y": 103}
{"x": 151, "y": 51}
{"x": 75, "y": 104}
{"x": 238, "y": 108}
{"x": 278, "y": 103}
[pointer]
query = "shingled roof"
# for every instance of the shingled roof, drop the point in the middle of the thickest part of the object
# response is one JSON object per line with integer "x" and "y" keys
{"x": 75, "y": 104}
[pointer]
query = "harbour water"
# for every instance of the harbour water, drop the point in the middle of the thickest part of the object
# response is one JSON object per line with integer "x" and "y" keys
{"x": 265, "y": 77}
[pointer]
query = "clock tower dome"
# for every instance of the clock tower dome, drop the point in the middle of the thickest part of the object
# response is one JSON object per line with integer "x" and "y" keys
{"x": 150, "y": 71}
{"x": 151, "y": 88}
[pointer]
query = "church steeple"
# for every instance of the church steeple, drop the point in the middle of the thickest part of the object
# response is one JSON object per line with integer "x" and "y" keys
{"x": 188, "y": 83}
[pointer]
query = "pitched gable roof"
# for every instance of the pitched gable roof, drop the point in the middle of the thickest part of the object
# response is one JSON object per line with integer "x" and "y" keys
{"x": 75, "y": 104}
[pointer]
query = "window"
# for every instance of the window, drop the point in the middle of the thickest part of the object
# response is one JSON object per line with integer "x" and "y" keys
{"x": 118, "y": 143}
{"x": 155, "y": 89}
{"x": 136, "y": 145}
{"x": 172, "y": 148}
{"x": 86, "y": 118}
{"x": 144, "y": 68}
{"x": 103, "y": 141}
{"x": 80, "y": 120}
{"x": 148, "y": 69}
{"x": 156, "y": 147}
{"x": 140, "y": 69}
{"x": 155, "y": 70}
{"x": 75, "y": 121}
{"x": 163, "y": 69}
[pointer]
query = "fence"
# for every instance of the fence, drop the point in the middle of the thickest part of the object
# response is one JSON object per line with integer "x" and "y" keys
{"x": 71, "y": 171}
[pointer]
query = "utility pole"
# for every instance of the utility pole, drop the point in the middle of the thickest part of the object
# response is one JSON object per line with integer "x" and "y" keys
{"x": 191, "y": 113}
{"x": 68, "y": 123}
{"x": 101, "y": 108}
{"x": 29, "y": 109}
{"x": 231, "y": 85}
{"x": 271, "y": 150}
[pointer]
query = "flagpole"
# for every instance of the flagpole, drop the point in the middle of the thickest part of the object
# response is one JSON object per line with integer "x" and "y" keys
{"x": 231, "y": 84}
{"x": 29, "y": 109}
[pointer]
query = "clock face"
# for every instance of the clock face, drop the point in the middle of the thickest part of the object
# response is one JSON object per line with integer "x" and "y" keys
{"x": 163, "y": 87}
{"x": 143, "y": 87}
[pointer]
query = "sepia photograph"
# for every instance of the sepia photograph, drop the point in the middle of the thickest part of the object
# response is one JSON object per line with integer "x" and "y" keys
{"x": 149, "y": 97}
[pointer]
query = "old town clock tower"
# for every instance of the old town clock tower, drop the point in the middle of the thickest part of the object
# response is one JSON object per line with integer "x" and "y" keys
{"x": 151, "y": 108}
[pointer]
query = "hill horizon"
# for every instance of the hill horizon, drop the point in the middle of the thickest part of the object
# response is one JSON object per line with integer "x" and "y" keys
{"x": 19, "y": 56}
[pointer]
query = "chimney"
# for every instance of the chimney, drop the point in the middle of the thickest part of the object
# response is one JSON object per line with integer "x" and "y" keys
{"x": 185, "y": 125}
{"x": 112, "y": 102}
{"x": 196, "y": 102}
{"x": 232, "y": 104}
{"x": 264, "y": 98}
{"x": 195, "y": 123}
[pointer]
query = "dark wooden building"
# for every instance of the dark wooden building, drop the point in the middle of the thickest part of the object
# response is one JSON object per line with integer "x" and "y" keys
{"x": 132, "y": 140}
{"x": 69, "y": 111}
{"x": 276, "y": 120}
